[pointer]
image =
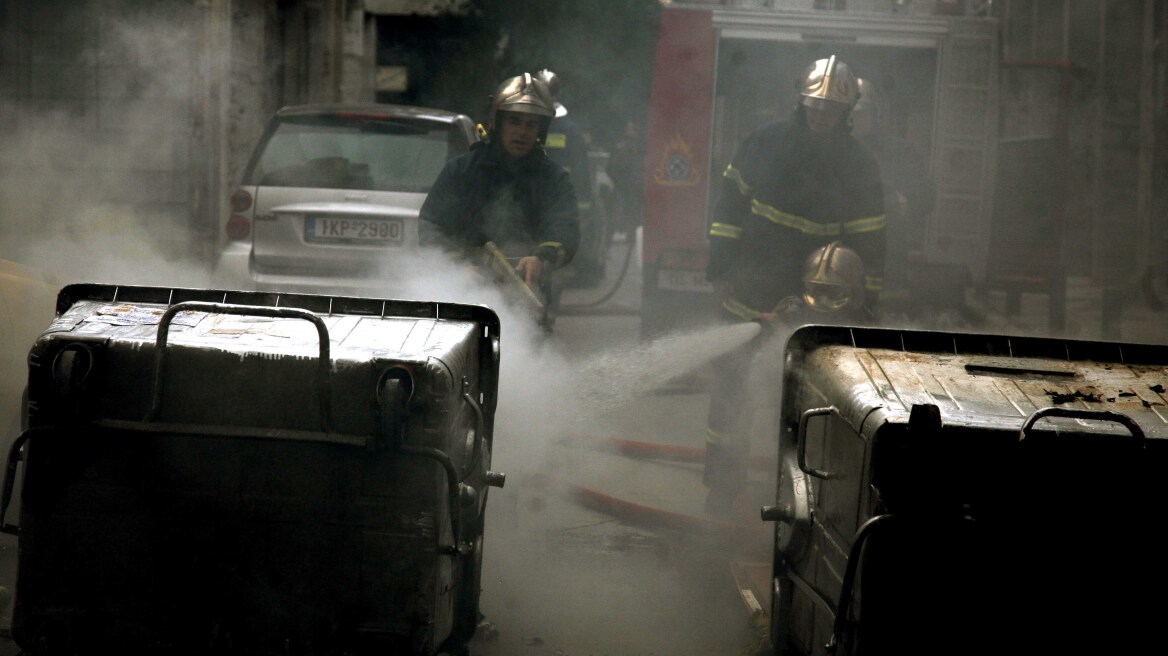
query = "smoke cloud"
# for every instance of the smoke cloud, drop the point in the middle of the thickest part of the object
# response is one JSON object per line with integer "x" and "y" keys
{"x": 91, "y": 191}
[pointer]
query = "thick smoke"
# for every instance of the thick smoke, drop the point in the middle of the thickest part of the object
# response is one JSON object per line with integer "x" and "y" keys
{"x": 547, "y": 391}
{"x": 93, "y": 180}
{"x": 86, "y": 191}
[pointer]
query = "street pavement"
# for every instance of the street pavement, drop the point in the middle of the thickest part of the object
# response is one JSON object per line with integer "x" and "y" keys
{"x": 568, "y": 575}
{"x": 595, "y": 550}
{"x": 598, "y": 544}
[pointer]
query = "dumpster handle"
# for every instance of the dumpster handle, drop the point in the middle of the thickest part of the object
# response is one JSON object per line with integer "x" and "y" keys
{"x": 1076, "y": 413}
{"x": 480, "y": 427}
{"x": 814, "y": 412}
{"x": 323, "y": 368}
{"x": 393, "y": 399}
{"x": 14, "y": 459}
{"x": 451, "y": 490}
{"x": 849, "y": 580}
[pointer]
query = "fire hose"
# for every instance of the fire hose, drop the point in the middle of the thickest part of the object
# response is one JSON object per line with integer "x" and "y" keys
{"x": 577, "y": 308}
{"x": 497, "y": 262}
{"x": 638, "y": 513}
{"x": 656, "y": 451}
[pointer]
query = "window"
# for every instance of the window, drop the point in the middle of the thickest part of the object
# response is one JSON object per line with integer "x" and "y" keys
{"x": 329, "y": 151}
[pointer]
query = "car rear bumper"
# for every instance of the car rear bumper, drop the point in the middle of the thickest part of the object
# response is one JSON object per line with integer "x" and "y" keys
{"x": 232, "y": 269}
{"x": 235, "y": 269}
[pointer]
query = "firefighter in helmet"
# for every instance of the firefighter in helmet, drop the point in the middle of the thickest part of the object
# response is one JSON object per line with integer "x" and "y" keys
{"x": 833, "y": 290}
{"x": 793, "y": 187}
{"x": 506, "y": 191}
{"x": 567, "y": 146}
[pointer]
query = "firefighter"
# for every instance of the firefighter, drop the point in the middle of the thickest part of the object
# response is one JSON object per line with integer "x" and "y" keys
{"x": 567, "y": 145}
{"x": 909, "y": 194}
{"x": 833, "y": 290}
{"x": 793, "y": 187}
{"x": 506, "y": 191}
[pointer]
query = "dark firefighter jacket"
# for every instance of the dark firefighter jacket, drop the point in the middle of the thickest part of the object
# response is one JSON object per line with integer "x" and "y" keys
{"x": 526, "y": 207}
{"x": 565, "y": 146}
{"x": 784, "y": 195}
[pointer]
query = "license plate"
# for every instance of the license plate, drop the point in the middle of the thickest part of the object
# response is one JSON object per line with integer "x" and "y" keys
{"x": 683, "y": 280}
{"x": 353, "y": 229}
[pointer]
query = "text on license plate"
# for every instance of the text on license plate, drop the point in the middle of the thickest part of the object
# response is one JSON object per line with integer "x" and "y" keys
{"x": 327, "y": 228}
{"x": 683, "y": 280}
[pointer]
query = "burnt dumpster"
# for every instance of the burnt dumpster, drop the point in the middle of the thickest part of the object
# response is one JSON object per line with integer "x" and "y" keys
{"x": 944, "y": 493}
{"x": 245, "y": 472}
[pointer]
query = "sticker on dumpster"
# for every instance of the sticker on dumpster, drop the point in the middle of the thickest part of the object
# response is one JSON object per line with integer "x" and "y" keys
{"x": 133, "y": 315}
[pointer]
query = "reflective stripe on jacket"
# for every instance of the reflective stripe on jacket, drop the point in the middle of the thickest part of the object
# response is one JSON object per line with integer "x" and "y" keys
{"x": 786, "y": 193}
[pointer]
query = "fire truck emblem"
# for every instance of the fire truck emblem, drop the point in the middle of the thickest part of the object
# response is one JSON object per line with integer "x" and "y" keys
{"x": 676, "y": 167}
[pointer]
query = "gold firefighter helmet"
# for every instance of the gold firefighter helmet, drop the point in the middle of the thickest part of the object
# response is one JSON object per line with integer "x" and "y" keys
{"x": 833, "y": 278}
{"x": 553, "y": 83}
{"x": 524, "y": 94}
{"x": 829, "y": 81}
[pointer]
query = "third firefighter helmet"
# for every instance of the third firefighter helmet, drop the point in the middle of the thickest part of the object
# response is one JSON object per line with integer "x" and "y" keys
{"x": 833, "y": 278}
{"x": 829, "y": 81}
{"x": 553, "y": 84}
{"x": 525, "y": 94}
{"x": 869, "y": 99}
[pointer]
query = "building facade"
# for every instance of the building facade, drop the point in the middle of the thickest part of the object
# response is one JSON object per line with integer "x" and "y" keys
{"x": 119, "y": 116}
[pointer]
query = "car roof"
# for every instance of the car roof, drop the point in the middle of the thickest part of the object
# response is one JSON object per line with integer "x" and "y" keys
{"x": 391, "y": 111}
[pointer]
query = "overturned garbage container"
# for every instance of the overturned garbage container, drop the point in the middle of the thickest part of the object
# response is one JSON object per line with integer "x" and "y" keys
{"x": 960, "y": 494}
{"x": 245, "y": 472}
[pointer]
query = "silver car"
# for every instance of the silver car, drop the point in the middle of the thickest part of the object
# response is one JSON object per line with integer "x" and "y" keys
{"x": 332, "y": 191}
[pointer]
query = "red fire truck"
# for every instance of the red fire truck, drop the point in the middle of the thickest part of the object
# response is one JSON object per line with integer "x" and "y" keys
{"x": 723, "y": 69}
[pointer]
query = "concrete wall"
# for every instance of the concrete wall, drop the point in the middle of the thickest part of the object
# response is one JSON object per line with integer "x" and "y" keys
{"x": 127, "y": 122}
{"x": 96, "y": 110}
{"x": 1117, "y": 98}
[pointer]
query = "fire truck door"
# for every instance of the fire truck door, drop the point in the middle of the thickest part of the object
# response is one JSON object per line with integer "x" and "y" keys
{"x": 965, "y": 147}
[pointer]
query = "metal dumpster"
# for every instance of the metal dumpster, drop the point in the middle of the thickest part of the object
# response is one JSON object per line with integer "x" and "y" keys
{"x": 244, "y": 472}
{"x": 946, "y": 493}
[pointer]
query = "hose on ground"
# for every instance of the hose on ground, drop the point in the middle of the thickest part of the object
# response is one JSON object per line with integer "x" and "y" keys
{"x": 632, "y": 241}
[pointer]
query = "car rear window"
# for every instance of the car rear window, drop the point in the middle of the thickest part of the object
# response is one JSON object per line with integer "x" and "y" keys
{"x": 355, "y": 152}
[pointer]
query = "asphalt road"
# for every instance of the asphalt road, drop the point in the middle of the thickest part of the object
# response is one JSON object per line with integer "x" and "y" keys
{"x": 590, "y": 551}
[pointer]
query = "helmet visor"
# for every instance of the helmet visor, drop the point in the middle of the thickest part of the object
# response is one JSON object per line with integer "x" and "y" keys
{"x": 826, "y": 297}
{"x": 822, "y": 103}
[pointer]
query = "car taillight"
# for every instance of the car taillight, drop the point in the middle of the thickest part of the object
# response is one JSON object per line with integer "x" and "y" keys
{"x": 240, "y": 200}
{"x": 238, "y": 227}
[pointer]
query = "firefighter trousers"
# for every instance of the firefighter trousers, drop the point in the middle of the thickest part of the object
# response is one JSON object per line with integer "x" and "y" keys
{"x": 730, "y": 416}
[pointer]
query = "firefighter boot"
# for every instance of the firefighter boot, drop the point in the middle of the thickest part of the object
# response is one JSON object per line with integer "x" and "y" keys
{"x": 725, "y": 476}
